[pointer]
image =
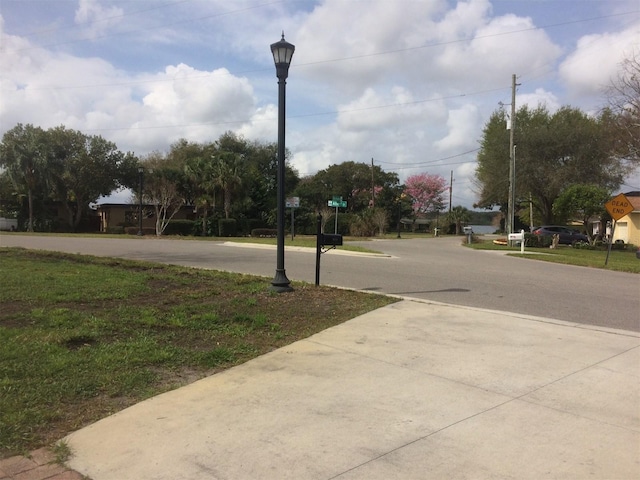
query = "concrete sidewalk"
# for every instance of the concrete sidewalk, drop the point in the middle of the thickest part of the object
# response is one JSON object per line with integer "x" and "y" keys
{"x": 410, "y": 391}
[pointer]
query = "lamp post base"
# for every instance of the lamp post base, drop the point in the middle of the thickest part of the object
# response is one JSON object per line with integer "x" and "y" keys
{"x": 281, "y": 283}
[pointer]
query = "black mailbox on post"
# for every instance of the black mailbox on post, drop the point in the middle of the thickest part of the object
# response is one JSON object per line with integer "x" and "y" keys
{"x": 331, "y": 239}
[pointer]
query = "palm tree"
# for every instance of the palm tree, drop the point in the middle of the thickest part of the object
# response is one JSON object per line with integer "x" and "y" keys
{"x": 228, "y": 176}
{"x": 459, "y": 215}
{"x": 201, "y": 172}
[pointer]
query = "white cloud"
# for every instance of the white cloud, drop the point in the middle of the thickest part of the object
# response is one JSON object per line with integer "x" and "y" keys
{"x": 397, "y": 109}
{"x": 140, "y": 113}
{"x": 182, "y": 94}
{"x": 96, "y": 19}
{"x": 540, "y": 97}
{"x": 495, "y": 52}
{"x": 590, "y": 68}
{"x": 262, "y": 125}
{"x": 338, "y": 30}
{"x": 182, "y": 102}
{"x": 463, "y": 124}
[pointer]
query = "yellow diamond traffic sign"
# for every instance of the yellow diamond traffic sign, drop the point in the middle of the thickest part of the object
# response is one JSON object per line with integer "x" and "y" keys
{"x": 618, "y": 207}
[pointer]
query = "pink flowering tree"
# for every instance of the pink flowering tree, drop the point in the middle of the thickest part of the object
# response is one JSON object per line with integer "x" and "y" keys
{"x": 426, "y": 192}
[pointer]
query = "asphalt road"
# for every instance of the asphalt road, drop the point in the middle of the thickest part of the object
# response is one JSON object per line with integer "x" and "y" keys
{"x": 438, "y": 269}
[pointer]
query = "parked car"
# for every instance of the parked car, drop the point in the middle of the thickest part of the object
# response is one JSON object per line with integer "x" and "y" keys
{"x": 567, "y": 235}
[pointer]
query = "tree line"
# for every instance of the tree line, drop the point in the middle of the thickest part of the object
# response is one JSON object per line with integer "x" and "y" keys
{"x": 230, "y": 178}
{"x": 58, "y": 165}
{"x": 567, "y": 163}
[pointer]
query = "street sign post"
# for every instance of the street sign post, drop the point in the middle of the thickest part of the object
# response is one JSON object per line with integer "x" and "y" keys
{"x": 292, "y": 203}
{"x": 618, "y": 207}
{"x": 337, "y": 202}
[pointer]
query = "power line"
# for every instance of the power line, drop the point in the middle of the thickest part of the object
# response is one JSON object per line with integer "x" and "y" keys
{"x": 466, "y": 39}
{"x": 303, "y": 115}
{"x": 433, "y": 161}
{"x": 400, "y": 167}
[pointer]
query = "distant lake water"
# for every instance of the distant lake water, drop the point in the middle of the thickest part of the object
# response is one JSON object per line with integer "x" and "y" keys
{"x": 482, "y": 229}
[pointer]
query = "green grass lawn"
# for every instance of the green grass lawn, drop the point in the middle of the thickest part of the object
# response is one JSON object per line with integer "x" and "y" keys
{"x": 619, "y": 260}
{"x": 82, "y": 337}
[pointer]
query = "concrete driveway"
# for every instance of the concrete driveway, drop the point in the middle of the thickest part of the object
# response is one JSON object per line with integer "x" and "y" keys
{"x": 410, "y": 391}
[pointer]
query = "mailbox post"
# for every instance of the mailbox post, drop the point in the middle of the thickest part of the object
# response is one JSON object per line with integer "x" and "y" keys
{"x": 515, "y": 237}
{"x": 324, "y": 240}
{"x": 468, "y": 231}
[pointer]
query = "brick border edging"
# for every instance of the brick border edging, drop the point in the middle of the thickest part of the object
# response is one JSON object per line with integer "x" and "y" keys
{"x": 39, "y": 465}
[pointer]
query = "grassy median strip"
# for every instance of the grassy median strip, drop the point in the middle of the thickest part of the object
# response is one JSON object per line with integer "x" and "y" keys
{"x": 619, "y": 260}
{"x": 82, "y": 337}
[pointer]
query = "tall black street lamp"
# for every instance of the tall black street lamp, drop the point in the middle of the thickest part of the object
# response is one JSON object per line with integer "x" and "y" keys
{"x": 140, "y": 185}
{"x": 282, "y": 52}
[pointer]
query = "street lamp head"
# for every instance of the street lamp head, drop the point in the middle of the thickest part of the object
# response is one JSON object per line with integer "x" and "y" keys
{"x": 140, "y": 170}
{"x": 282, "y": 52}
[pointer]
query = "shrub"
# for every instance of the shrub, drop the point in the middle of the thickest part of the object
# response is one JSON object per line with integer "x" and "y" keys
{"x": 134, "y": 230}
{"x": 227, "y": 227}
{"x": 179, "y": 227}
{"x": 584, "y": 246}
{"x": 255, "y": 223}
{"x": 306, "y": 223}
{"x": 619, "y": 245}
{"x": 537, "y": 241}
{"x": 362, "y": 226}
{"x": 264, "y": 232}
{"x": 197, "y": 227}
{"x": 344, "y": 223}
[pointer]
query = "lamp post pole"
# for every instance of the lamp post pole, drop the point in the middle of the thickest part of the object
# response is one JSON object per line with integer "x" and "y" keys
{"x": 400, "y": 195}
{"x": 282, "y": 52}
{"x": 140, "y": 185}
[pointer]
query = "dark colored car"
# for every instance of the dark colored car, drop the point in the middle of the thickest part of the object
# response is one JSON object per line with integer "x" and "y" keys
{"x": 567, "y": 235}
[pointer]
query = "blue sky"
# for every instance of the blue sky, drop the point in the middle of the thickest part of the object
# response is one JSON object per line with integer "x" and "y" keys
{"x": 409, "y": 83}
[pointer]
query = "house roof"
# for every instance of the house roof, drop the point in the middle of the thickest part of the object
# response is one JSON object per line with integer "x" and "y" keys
{"x": 634, "y": 200}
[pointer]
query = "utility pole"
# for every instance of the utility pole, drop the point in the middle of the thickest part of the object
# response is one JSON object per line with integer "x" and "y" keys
{"x": 512, "y": 200}
{"x": 373, "y": 188}
{"x": 450, "y": 193}
{"x": 512, "y": 159}
{"x": 530, "y": 213}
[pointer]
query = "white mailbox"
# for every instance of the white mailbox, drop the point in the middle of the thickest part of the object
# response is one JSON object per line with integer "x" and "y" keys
{"x": 518, "y": 237}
